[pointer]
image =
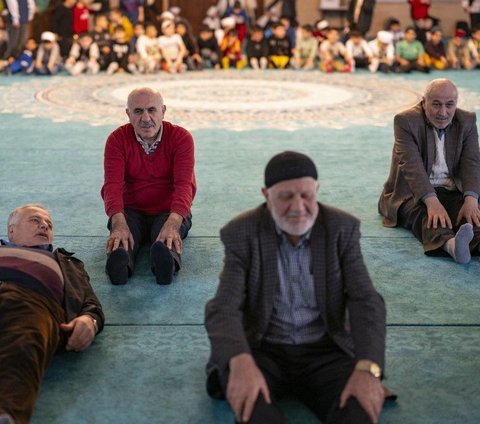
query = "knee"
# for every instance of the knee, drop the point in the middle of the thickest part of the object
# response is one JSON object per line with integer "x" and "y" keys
{"x": 264, "y": 412}
{"x": 352, "y": 412}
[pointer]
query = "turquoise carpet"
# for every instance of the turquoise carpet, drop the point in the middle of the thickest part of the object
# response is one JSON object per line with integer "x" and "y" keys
{"x": 148, "y": 364}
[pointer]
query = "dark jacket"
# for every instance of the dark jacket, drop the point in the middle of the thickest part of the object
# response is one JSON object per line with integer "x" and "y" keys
{"x": 79, "y": 297}
{"x": 238, "y": 316}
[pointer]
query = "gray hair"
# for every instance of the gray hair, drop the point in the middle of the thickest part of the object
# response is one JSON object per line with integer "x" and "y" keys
{"x": 15, "y": 214}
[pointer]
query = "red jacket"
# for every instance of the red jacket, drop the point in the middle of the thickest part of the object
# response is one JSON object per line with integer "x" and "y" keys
{"x": 163, "y": 181}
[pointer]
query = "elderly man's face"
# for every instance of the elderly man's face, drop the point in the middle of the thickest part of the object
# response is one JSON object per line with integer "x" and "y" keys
{"x": 146, "y": 111}
{"x": 293, "y": 204}
{"x": 32, "y": 227}
{"x": 440, "y": 104}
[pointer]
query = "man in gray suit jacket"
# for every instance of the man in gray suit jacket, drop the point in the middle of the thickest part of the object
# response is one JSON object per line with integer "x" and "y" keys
{"x": 434, "y": 179}
{"x": 295, "y": 309}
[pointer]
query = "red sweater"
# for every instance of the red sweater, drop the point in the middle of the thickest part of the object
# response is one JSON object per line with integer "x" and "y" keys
{"x": 163, "y": 181}
{"x": 419, "y": 9}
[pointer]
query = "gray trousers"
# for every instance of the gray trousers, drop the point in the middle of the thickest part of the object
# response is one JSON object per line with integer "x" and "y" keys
{"x": 17, "y": 37}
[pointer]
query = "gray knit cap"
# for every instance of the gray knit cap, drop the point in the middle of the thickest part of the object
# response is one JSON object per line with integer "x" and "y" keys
{"x": 289, "y": 165}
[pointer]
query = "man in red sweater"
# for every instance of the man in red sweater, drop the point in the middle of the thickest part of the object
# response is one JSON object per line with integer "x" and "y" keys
{"x": 148, "y": 189}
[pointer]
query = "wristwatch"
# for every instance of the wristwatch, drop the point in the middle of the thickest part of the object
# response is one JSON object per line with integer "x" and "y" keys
{"x": 369, "y": 366}
{"x": 95, "y": 324}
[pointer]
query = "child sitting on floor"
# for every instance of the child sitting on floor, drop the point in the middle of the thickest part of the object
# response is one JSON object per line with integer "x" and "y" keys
{"x": 83, "y": 56}
{"x": 279, "y": 47}
{"x": 359, "y": 50}
{"x": 333, "y": 54}
{"x": 231, "y": 51}
{"x": 208, "y": 47}
{"x": 173, "y": 49}
{"x": 257, "y": 49}
{"x": 148, "y": 50}
{"x": 25, "y": 62}
{"x": 305, "y": 49}
{"x": 48, "y": 59}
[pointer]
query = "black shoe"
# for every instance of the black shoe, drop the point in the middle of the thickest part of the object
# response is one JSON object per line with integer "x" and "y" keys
{"x": 117, "y": 266}
{"x": 162, "y": 263}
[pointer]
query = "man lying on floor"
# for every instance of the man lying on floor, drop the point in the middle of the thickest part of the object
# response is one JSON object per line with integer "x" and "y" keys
{"x": 46, "y": 301}
{"x": 295, "y": 311}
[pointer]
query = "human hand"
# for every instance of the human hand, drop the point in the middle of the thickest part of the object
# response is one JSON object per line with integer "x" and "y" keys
{"x": 469, "y": 211}
{"x": 120, "y": 234}
{"x": 170, "y": 233}
{"x": 82, "y": 331}
{"x": 245, "y": 383}
{"x": 437, "y": 214}
{"x": 368, "y": 391}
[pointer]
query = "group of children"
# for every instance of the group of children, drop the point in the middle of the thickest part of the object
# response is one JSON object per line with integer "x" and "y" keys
{"x": 115, "y": 45}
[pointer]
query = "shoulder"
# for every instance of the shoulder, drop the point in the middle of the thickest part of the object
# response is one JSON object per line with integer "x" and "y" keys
{"x": 464, "y": 116}
{"x": 414, "y": 113}
{"x": 176, "y": 133}
{"x": 336, "y": 218}
{"x": 246, "y": 222}
{"x": 64, "y": 256}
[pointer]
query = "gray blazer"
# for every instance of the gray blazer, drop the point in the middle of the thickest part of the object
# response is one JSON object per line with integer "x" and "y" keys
{"x": 414, "y": 153}
{"x": 238, "y": 316}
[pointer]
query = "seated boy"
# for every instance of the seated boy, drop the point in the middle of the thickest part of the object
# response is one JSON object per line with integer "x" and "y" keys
{"x": 83, "y": 56}
{"x": 257, "y": 48}
{"x": 48, "y": 60}
{"x": 410, "y": 53}
{"x": 359, "y": 50}
{"x": 208, "y": 47}
{"x": 279, "y": 47}
{"x": 333, "y": 54}
{"x": 436, "y": 56}
{"x": 305, "y": 50}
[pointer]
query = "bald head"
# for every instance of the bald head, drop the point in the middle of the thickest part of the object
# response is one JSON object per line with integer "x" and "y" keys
{"x": 441, "y": 85}
{"x": 144, "y": 91}
{"x": 440, "y": 102}
{"x": 145, "y": 110}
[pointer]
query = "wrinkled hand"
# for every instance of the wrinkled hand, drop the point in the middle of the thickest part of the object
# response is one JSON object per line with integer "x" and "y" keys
{"x": 437, "y": 214}
{"x": 120, "y": 234}
{"x": 170, "y": 233}
{"x": 82, "y": 332}
{"x": 245, "y": 383}
{"x": 469, "y": 211}
{"x": 368, "y": 391}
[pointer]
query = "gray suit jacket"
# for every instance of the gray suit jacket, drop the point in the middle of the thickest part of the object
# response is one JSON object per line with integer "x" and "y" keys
{"x": 414, "y": 153}
{"x": 238, "y": 316}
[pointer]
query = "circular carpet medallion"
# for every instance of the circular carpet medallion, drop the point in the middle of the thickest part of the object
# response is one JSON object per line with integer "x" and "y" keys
{"x": 236, "y": 100}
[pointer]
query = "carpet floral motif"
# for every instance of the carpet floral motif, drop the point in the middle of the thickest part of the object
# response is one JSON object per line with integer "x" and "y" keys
{"x": 233, "y": 100}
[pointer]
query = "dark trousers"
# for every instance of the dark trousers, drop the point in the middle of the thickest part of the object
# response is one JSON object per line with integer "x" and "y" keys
{"x": 145, "y": 229}
{"x": 17, "y": 37}
{"x": 315, "y": 374}
{"x": 29, "y": 337}
{"x": 413, "y": 216}
{"x": 474, "y": 20}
